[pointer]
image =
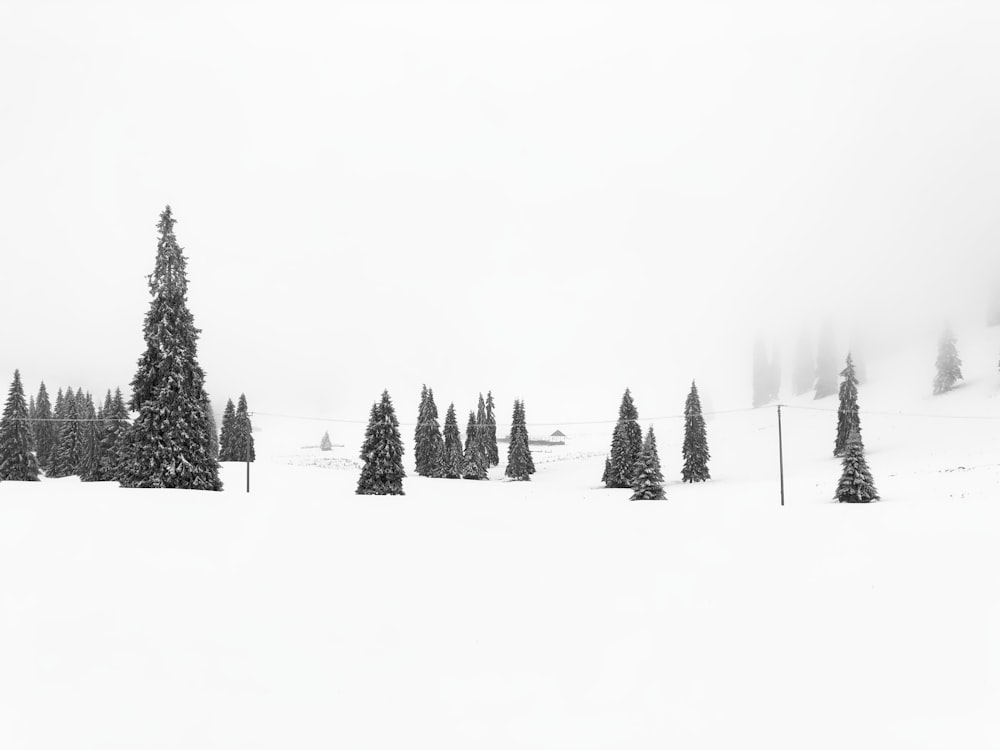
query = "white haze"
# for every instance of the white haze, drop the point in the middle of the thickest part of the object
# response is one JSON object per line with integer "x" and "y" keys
{"x": 553, "y": 200}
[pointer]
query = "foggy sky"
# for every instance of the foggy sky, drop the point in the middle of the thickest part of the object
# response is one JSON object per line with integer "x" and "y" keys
{"x": 552, "y": 200}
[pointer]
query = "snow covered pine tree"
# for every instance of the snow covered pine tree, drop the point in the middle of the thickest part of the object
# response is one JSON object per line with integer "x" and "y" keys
{"x": 695, "y": 447}
{"x": 856, "y": 484}
{"x": 949, "y": 366}
{"x": 848, "y": 418}
{"x": 626, "y": 445}
{"x": 648, "y": 481}
{"x": 17, "y": 462}
{"x": 382, "y": 452}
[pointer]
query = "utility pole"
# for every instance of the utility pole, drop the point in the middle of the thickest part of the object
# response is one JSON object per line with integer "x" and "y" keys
{"x": 781, "y": 459}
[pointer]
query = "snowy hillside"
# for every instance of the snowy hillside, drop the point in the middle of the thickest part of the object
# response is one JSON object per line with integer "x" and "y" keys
{"x": 552, "y": 614}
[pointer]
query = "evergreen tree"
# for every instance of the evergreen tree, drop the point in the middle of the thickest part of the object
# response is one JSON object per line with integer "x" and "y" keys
{"x": 17, "y": 462}
{"x": 242, "y": 433}
{"x": 648, "y": 481}
{"x": 89, "y": 468}
{"x": 451, "y": 460}
{"x": 474, "y": 460}
{"x": 490, "y": 433}
{"x": 826, "y": 363}
{"x": 949, "y": 366}
{"x": 32, "y": 423}
{"x": 324, "y": 443}
{"x": 805, "y": 365}
{"x": 170, "y": 446}
{"x": 382, "y": 452}
{"x": 226, "y": 438}
{"x": 114, "y": 448}
{"x": 67, "y": 451}
{"x": 520, "y": 465}
{"x": 428, "y": 442}
{"x": 848, "y": 417}
{"x": 626, "y": 445}
{"x": 59, "y": 415}
{"x": 856, "y": 484}
{"x": 213, "y": 430}
{"x": 695, "y": 447}
{"x": 45, "y": 428}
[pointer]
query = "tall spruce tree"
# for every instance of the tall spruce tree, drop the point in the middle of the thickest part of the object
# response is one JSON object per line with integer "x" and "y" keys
{"x": 949, "y": 366}
{"x": 520, "y": 465}
{"x": 451, "y": 460}
{"x": 848, "y": 416}
{"x": 695, "y": 447}
{"x": 32, "y": 424}
{"x": 648, "y": 481}
{"x": 17, "y": 462}
{"x": 59, "y": 416}
{"x": 170, "y": 446}
{"x": 805, "y": 365}
{"x": 826, "y": 363}
{"x": 226, "y": 438}
{"x": 382, "y": 472}
{"x": 45, "y": 428}
{"x": 428, "y": 442}
{"x": 474, "y": 460}
{"x": 490, "y": 433}
{"x": 242, "y": 433}
{"x": 856, "y": 484}
{"x": 626, "y": 445}
{"x": 66, "y": 458}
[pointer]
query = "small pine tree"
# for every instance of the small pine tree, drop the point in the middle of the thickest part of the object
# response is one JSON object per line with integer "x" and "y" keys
{"x": 949, "y": 366}
{"x": 474, "y": 460}
{"x": 826, "y": 363}
{"x": 695, "y": 447}
{"x": 45, "y": 428}
{"x": 324, "y": 443}
{"x": 226, "y": 436}
{"x": 520, "y": 465}
{"x": 856, "y": 484}
{"x": 17, "y": 462}
{"x": 848, "y": 416}
{"x": 805, "y": 365}
{"x": 626, "y": 445}
{"x": 490, "y": 433}
{"x": 428, "y": 442}
{"x": 648, "y": 481}
{"x": 382, "y": 452}
{"x": 451, "y": 460}
{"x": 242, "y": 433}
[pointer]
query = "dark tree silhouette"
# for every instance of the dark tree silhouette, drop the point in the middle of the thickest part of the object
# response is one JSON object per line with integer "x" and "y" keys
{"x": 17, "y": 462}
{"x": 695, "y": 447}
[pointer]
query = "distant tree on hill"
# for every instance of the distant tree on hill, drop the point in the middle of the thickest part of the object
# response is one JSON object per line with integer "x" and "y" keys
{"x": 451, "y": 460}
{"x": 848, "y": 417}
{"x": 325, "y": 444}
{"x": 242, "y": 433}
{"x": 382, "y": 452}
{"x": 428, "y": 441}
{"x": 490, "y": 433}
{"x": 805, "y": 365}
{"x": 949, "y": 366}
{"x": 45, "y": 428}
{"x": 474, "y": 460}
{"x": 520, "y": 465}
{"x": 695, "y": 447}
{"x": 648, "y": 481}
{"x": 17, "y": 462}
{"x": 226, "y": 436}
{"x": 626, "y": 445}
{"x": 856, "y": 484}
{"x": 826, "y": 363}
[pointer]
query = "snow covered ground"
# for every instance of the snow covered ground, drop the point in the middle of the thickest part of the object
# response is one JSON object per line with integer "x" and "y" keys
{"x": 553, "y": 614}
